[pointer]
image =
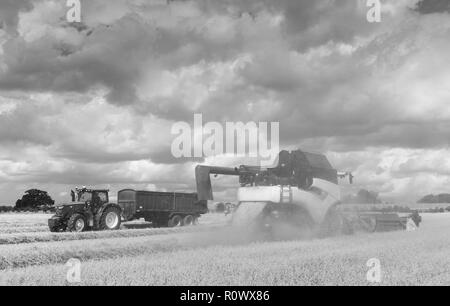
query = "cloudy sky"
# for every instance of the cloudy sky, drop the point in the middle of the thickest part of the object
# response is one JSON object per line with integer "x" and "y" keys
{"x": 93, "y": 103}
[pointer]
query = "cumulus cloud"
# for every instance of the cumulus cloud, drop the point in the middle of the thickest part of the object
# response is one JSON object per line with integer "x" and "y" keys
{"x": 96, "y": 100}
{"x": 9, "y": 13}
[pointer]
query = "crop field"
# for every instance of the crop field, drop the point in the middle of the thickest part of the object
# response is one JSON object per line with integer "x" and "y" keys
{"x": 213, "y": 254}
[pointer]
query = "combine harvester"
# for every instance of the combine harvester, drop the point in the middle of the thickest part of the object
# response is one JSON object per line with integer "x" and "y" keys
{"x": 300, "y": 193}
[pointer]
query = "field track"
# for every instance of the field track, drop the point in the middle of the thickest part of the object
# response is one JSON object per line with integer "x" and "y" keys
{"x": 46, "y": 236}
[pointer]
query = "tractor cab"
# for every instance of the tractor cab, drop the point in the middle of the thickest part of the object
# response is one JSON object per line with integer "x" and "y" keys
{"x": 93, "y": 197}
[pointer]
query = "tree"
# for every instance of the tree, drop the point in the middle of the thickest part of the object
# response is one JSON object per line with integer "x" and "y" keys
{"x": 6, "y": 208}
{"x": 362, "y": 197}
{"x": 33, "y": 199}
{"x": 444, "y": 198}
{"x": 433, "y": 199}
{"x": 368, "y": 197}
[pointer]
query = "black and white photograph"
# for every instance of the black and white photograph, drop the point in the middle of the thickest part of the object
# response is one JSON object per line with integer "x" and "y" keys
{"x": 226, "y": 147}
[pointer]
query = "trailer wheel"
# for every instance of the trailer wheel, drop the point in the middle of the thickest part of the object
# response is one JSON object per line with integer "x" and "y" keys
{"x": 188, "y": 220}
{"x": 110, "y": 219}
{"x": 175, "y": 221}
{"x": 77, "y": 223}
{"x": 195, "y": 222}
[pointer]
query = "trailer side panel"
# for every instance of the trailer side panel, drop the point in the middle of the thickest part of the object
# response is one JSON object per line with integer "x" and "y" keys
{"x": 153, "y": 205}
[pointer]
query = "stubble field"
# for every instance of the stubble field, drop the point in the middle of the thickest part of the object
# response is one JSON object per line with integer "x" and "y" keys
{"x": 212, "y": 254}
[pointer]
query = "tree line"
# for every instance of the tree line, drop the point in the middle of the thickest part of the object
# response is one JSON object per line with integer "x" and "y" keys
{"x": 32, "y": 200}
{"x": 435, "y": 199}
{"x": 371, "y": 197}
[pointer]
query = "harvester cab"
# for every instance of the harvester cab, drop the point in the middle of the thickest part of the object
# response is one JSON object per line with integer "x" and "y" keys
{"x": 349, "y": 175}
{"x": 89, "y": 209}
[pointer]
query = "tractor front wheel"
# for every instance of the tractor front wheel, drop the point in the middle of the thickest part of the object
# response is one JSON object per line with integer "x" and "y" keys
{"x": 77, "y": 223}
{"x": 57, "y": 229}
{"x": 110, "y": 219}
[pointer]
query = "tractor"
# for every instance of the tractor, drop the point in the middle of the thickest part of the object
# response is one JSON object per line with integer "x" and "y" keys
{"x": 90, "y": 209}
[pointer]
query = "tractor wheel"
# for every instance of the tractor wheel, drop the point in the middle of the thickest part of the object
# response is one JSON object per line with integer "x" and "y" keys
{"x": 110, "y": 219}
{"x": 175, "y": 221}
{"x": 188, "y": 220}
{"x": 77, "y": 223}
{"x": 57, "y": 229}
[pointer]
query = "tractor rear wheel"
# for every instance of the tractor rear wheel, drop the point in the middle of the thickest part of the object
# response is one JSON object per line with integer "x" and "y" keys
{"x": 110, "y": 219}
{"x": 77, "y": 223}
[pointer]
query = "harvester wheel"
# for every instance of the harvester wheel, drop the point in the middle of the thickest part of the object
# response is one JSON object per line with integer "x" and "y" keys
{"x": 77, "y": 223}
{"x": 248, "y": 214}
{"x": 110, "y": 219}
{"x": 369, "y": 224}
{"x": 175, "y": 221}
{"x": 188, "y": 220}
{"x": 334, "y": 224}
